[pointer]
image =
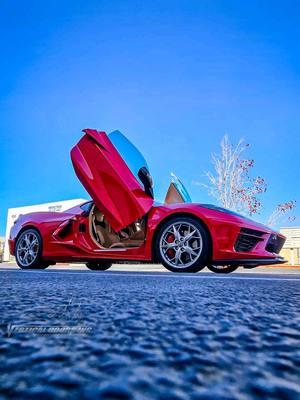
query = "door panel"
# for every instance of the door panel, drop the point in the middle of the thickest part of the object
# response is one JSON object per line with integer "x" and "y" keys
{"x": 108, "y": 180}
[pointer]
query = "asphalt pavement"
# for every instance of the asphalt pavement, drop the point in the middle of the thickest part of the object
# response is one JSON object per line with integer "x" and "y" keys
{"x": 149, "y": 335}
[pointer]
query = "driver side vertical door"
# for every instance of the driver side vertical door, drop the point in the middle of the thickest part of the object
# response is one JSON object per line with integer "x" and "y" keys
{"x": 109, "y": 181}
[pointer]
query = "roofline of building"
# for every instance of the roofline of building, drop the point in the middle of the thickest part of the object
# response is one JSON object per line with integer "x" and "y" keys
{"x": 49, "y": 202}
{"x": 290, "y": 227}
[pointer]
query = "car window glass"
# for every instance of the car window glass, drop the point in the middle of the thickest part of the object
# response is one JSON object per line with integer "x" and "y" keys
{"x": 181, "y": 188}
{"x": 130, "y": 154}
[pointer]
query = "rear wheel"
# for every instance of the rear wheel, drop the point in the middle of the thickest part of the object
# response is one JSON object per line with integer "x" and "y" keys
{"x": 98, "y": 265}
{"x": 183, "y": 245}
{"x": 28, "y": 251}
{"x": 222, "y": 269}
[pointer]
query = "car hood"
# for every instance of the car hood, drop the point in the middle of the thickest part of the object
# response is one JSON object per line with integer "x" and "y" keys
{"x": 236, "y": 215}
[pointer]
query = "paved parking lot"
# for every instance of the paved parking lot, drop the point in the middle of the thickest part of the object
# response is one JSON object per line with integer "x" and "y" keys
{"x": 145, "y": 335}
{"x": 280, "y": 269}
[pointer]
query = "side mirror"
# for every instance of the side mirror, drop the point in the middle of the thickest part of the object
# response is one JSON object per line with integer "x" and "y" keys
{"x": 146, "y": 180}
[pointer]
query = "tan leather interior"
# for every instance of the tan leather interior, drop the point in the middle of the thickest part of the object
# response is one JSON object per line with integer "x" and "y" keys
{"x": 131, "y": 236}
{"x": 173, "y": 196}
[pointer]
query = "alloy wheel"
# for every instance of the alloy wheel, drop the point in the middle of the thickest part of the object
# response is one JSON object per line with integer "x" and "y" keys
{"x": 222, "y": 269}
{"x": 27, "y": 248}
{"x": 181, "y": 244}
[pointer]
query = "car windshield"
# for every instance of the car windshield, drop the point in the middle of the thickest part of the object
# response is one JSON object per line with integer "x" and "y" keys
{"x": 132, "y": 156}
{"x": 181, "y": 188}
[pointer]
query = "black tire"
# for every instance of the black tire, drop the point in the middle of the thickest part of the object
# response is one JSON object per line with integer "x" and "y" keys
{"x": 98, "y": 265}
{"x": 222, "y": 269}
{"x": 188, "y": 264}
{"x": 36, "y": 248}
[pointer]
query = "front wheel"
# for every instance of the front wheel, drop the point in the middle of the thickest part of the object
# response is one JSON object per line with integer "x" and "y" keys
{"x": 222, "y": 269}
{"x": 98, "y": 265}
{"x": 28, "y": 251}
{"x": 183, "y": 245}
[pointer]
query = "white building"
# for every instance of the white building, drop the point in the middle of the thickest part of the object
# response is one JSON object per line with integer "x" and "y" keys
{"x": 291, "y": 248}
{"x": 13, "y": 214}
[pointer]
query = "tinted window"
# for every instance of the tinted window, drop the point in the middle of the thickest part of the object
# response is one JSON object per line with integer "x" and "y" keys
{"x": 86, "y": 207}
{"x": 181, "y": 189}
{"x": 130, "y": 154}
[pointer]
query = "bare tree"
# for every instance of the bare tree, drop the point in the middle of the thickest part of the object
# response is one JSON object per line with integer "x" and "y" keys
{"x": 232, "y": 186}
{"x": 279, "y": 214}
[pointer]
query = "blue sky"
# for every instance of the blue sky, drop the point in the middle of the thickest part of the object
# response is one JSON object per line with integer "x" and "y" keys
{"x": 174, "y": 76}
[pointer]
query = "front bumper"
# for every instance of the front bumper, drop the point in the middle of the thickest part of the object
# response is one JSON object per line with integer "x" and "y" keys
{"x": 246, "y": 242}
{"x": 251, "y": 263}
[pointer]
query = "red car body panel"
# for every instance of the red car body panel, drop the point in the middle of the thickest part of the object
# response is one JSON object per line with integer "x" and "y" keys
{"x": 108, "y": 180}
{"x": 121, "y": 198}
{"x": 77, "y": 246}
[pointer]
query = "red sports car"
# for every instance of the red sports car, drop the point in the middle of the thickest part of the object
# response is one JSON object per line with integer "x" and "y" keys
{"x": 123, "y": 223}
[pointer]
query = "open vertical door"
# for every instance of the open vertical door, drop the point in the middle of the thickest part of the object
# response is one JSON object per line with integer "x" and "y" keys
{"x": 108, "y": 178}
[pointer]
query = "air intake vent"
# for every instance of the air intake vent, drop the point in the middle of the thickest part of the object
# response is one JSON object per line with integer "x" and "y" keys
{"x": 253, "y": 232}
{"x": 275, "y": 244}
{"x": 247, "y": 240}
